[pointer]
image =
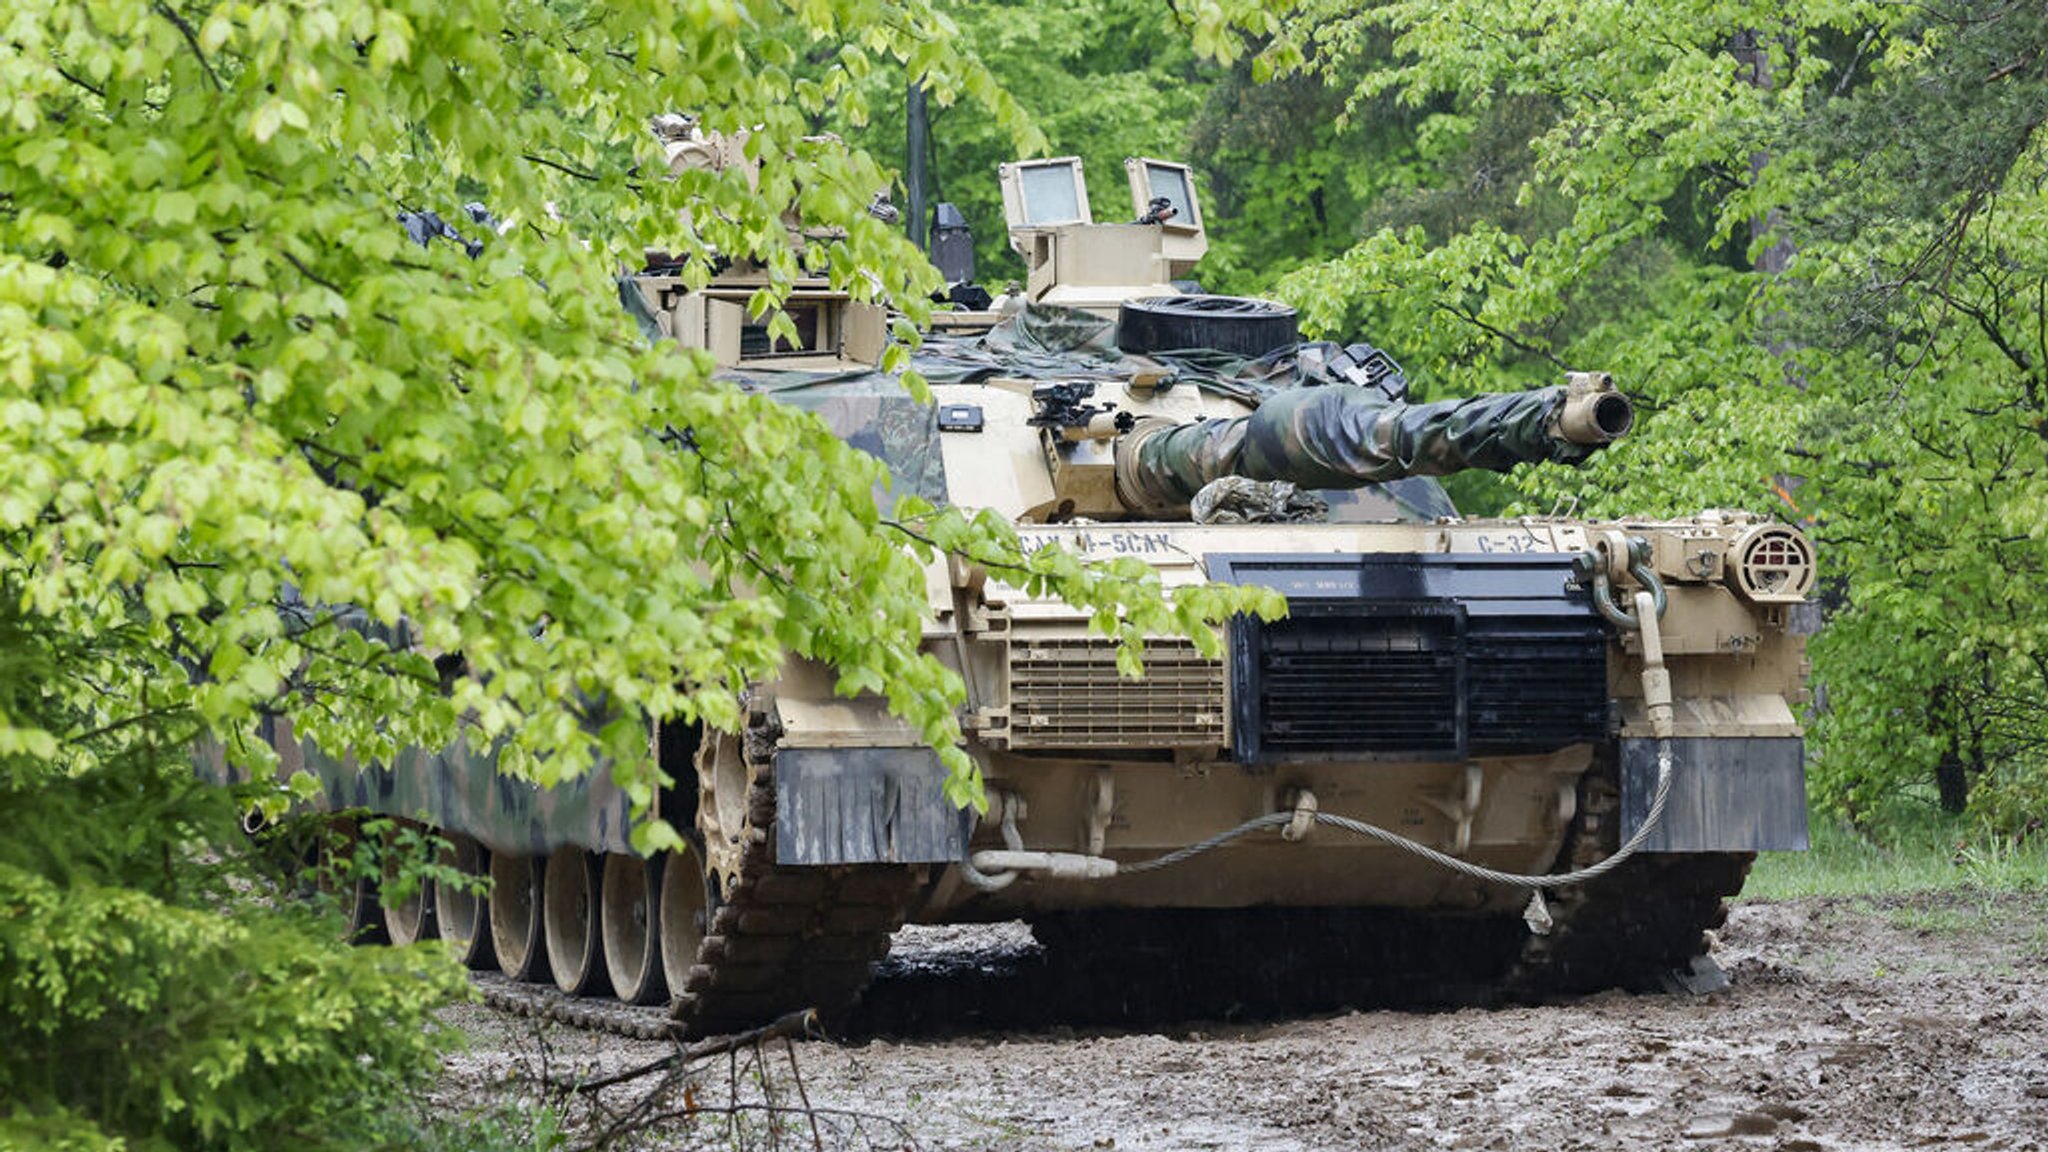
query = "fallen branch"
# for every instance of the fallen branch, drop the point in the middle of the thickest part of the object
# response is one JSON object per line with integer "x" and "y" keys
{"x": 800, "y": 1023}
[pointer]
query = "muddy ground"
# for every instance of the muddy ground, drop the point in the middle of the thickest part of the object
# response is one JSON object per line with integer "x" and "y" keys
{"x": 1892, "y": 1023}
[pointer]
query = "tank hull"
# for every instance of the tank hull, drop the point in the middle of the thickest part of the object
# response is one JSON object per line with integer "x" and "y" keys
{"x": 1078, "y": 759}
{"x": 822, "y": 827}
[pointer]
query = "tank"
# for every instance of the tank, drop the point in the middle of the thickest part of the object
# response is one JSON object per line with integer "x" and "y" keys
{"x": 1564, "y": 738}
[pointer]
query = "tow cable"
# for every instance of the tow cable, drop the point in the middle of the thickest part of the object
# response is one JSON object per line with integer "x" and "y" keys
{"x": 993, "y": 869}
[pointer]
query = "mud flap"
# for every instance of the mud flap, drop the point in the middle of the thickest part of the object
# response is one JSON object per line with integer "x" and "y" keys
{"x": 865, "y": 806}
{"x": 1728, "y": 794}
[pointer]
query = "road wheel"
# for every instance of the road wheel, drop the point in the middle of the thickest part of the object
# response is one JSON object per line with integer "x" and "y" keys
{"x": 412, "y": 919}
{"x": 685, "y": 913}
{"x": 516, "y": 899}
{"x": 334, "y": 860}
{"x": 459, "y": 910}
{"x": 631, "y": 920}
{"x": 409, "y": 920}
{"x": 575, "y": 882}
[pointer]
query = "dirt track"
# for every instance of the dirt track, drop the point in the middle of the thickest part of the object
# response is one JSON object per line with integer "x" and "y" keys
{"x": 1868, "y": 1024}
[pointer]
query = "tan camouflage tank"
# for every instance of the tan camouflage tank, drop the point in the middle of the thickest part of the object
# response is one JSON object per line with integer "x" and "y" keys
{"x": 1569, "y": 736}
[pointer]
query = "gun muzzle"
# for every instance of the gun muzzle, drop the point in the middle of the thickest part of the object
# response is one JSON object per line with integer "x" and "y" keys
{"x": 1594, "y": 413}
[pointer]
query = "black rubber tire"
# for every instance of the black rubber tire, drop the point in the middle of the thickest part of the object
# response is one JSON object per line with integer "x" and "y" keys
{"x": 1240, "y": 325}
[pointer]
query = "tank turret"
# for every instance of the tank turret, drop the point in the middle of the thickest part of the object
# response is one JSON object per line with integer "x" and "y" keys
{"x": 1337, "y": 437}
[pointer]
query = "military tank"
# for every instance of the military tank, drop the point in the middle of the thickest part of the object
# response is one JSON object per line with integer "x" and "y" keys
{"x": 1573, "y": 734}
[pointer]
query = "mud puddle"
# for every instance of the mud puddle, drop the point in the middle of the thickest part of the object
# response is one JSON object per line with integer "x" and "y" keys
{"x": 1851, "y": 1024}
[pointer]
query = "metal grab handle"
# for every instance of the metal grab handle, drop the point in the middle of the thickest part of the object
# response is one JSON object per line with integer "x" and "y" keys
{"x": 1591, "y": 568}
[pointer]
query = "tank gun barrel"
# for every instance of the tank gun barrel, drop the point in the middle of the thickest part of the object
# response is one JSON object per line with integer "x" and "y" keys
{"x": 1593, "y": 412}
{"x": 1338, "y": 437}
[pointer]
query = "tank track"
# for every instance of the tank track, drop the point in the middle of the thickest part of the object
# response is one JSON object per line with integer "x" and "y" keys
{"x": 546, "y": 1002}
{"x": 783, "y": 938}
{"x": 1628, "y": 928}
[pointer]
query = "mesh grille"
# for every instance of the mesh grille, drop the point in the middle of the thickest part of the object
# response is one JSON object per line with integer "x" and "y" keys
{"x": 1360, "y": 685}
{"x": 1418, "y": 681}
{"x": 1068, "y": 694}
{"x": 1535, "y": 690}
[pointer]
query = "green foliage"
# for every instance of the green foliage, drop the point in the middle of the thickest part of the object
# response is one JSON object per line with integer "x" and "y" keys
{"x": 1922, "y": 275}
{"x": 146, "y": 1001}
{"x": 1808, "y": 239}
{"x": 226, "y": 1027}
{"x": 1556, "y": 222}
{"x": 233, "y": 398}
{"x": 234, "y": 395}
{"x": 1285, "y": 180}
{"x": 1100, "y": 79}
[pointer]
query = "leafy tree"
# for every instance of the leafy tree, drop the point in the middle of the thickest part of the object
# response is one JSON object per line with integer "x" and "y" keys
{"x": 144, "y": 998}
{"x": 235, "y": 391}
{"x": 1922, "y": 281}
{"x": 1287, "y": 181}
{"x": 235, "y": 397}
{"x": 1881, "y": 163}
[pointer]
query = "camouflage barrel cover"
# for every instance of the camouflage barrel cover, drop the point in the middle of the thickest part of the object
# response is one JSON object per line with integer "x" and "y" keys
{"x": 1339, "y": 437}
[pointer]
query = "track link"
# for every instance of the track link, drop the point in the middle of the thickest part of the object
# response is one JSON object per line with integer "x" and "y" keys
{"x": 546, "y": 1002}
{"x": 783, "y": 938}
{"x": 1628, "y": 928}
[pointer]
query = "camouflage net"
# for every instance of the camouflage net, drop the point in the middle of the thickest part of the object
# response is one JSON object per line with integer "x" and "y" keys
{"x": 1237, "y": 500}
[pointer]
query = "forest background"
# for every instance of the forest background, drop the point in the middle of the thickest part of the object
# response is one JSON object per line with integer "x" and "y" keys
{"x": 1807, "y": 236}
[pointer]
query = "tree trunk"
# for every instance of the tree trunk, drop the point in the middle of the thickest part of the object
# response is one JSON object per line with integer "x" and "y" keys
{"x": 1952, "y": 780}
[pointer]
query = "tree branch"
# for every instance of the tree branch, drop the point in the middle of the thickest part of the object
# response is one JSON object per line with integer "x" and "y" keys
{"x": 192, "y": 39}
{"x": 87, "y": 85}
{"x": 799, "y": 1023}
{"x": 1513, "y": 341}
{"x": 562, "y": 168}
{"x": 309, "y": 274}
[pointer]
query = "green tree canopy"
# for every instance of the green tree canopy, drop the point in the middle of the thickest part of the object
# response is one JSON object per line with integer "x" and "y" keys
{"x": 1807, "y": 237}
{"x": 262, "y": 456}
{"x": 233, "y": 390}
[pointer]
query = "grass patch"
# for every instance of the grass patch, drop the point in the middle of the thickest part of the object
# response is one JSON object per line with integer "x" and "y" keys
{"x": 1930, "y": 853}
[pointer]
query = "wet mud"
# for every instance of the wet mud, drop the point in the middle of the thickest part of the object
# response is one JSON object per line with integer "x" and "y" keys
{"x": 1896, "y": 1023}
